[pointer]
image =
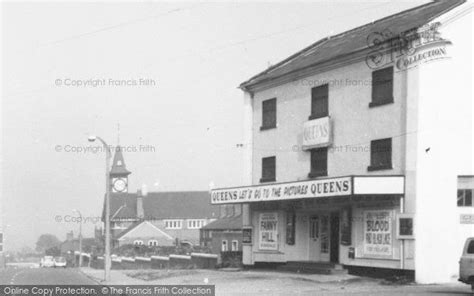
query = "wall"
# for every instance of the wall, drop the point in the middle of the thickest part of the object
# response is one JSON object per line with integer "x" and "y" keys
{"x": 300, "y": 251}
{"x": 445, "y": 127}
{"x": 219, "y": 235}
{"x": 354, "y": 124}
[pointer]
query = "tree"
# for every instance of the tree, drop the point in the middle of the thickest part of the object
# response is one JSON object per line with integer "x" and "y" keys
{"x": 46, "y": 241}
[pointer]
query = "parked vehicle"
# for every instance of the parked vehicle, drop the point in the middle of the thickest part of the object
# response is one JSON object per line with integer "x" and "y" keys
{"x": 60, "y": 262}
{"x": 47, "y": 261}
{"x": 466, "y": 264}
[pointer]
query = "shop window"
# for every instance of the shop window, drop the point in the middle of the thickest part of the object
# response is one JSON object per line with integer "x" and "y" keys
{"x": 224, "y": 246}
{"x": 314, "y": 227}
{"x": 290, "y": 228}
{"x": 346, "y": 226}
{"x": 235, "y": 245}
{"x": 319, "y": 162}
{"x": 269, "y": 116}
{"x": 319, "y": 102}
{"x": 268, "y": 169}
{"x": 325, "y": 234}
{"x": 268, "y": 231}
{"x": 465, "y": 197}
{"x": 382, "y": 87}
{"x": 380, "y": 154}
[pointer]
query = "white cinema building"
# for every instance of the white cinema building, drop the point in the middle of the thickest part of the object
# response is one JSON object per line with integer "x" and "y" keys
{"x": 359, "y": 148}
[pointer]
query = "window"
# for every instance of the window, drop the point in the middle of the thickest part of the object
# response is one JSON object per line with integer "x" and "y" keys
{"x": 319, "y": 162}
{"x": 465, "y": 197}
{"x": 224, "y": 245}
{"x": 319, "y": 102}
{"x": 268, "y": 169}
{"x": 470, "y": 247}
{"x": 314, "y": 227}
{"x": 235, "y": 245}
{"x": 382, "y": 87}
{"x": 380, "y": 154}
{"x": 153, "y": 243}
{"x": 290, "y": 228}
{"x": 195, "y": 224}
{"x": 138, "y": 242}
{"x": 325, "y": 234}
{"x": 173, "y": 224}
{"x": 268, "y": 114}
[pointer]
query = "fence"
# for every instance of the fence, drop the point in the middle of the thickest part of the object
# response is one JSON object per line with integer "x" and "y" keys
{"x": 195, "y": 260}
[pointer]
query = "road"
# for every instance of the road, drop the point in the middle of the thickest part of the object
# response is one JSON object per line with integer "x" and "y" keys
{"x": 43, "y": 276}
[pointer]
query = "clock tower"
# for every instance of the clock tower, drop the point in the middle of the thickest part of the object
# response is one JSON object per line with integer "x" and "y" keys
{"x": 119, "y": 173}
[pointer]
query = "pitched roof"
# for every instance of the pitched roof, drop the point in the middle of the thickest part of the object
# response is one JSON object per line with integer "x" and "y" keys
{"x": 353, "y": 40}
{"x": 164, "y": 205}
{"x": 118, "y": 164}
{"x": 234, "y": 223}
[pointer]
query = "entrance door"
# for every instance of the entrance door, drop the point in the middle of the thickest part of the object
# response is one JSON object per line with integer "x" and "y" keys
{"x": 324, "y": 240}
{"x": 334, "y": 238}
{"x": 314, "y": 239}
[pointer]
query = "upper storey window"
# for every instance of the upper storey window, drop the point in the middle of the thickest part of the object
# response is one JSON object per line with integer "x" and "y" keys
{"x": 319, "y": 102}
{"x": 382, "y": 87}
{"x": 269, "y": 117}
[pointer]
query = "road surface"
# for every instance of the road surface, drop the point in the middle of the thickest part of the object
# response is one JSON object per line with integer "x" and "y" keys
{"x": 43, "y": 276}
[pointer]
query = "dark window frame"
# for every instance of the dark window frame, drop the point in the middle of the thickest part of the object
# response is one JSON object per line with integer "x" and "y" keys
{"x": 323, "y": 156}
{"x": 290, "y": 228}
{"x": 319, "y": 97}
{"x": 268, "y": 165}
{"x": 384, "y": 161}
{"x": 269, "y": 114}
{"x": 465, "y": 196}
{"x": 382, "y": 81}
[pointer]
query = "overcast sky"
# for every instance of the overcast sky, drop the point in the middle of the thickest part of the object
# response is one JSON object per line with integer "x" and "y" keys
{"x": 180, "y": 123}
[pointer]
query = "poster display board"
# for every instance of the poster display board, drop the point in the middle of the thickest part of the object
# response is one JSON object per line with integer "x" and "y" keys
{"x": 378, "y": 233}
{"x": 268, "y": 231}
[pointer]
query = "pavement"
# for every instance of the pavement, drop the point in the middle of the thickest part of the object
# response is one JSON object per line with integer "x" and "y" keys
{"x": 231, "y": 282}
{"x": 267, "y": 282}
{"x": 43, "y": 276}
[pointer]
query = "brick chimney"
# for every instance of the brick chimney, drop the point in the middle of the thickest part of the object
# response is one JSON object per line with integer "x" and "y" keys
{"x": 140, "y": 195}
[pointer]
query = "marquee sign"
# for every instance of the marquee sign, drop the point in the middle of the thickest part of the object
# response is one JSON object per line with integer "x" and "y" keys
{"x": 284, "y": 191}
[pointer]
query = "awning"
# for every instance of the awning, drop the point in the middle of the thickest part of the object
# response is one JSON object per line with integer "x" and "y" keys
{"x": 317, "y": 188}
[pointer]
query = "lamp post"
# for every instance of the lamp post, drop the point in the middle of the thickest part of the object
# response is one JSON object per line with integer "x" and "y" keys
{"x": 108, "y": 156}
{"x": 80, "y": 237}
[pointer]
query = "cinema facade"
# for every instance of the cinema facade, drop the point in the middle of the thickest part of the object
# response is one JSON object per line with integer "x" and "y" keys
{"x": 354, "y": 160}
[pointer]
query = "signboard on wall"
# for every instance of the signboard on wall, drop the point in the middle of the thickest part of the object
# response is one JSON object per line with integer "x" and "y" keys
{"x": 247, "y": 235}
{"x": 268, "y": 231}
{"x": 317, "y": 133}
{"x": 378, "y": 232}
{"x": 466, "y": 219}
{"x": 284, "y": 191}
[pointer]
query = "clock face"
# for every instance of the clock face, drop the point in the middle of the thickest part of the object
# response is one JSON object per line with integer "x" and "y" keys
{"x": 120, "y": 185}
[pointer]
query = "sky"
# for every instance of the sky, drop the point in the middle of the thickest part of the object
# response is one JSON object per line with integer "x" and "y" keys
{"x": 160, "y": 78}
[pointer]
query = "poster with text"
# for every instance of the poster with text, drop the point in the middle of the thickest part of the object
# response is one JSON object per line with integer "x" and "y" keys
{"x": 268, "y": 231}
{"x": 378, "y": 232}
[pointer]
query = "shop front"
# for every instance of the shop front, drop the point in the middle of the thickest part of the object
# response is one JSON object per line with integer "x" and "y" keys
{"x": 346, "y": 220}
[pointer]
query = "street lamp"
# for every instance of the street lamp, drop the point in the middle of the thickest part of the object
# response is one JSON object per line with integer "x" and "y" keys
{"x": 80, "y": 237}
{"x": 108, "y": 156}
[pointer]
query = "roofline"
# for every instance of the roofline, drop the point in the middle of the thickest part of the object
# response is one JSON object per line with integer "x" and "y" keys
{"x": 246, "y": 84}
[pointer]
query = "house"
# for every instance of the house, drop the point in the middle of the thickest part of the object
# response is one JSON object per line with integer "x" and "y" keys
{"x": 89, "y": 244}
{"x": 360, "y": 149}
{"x": 225, "y": 233}
{"x": 155, "y": 218}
